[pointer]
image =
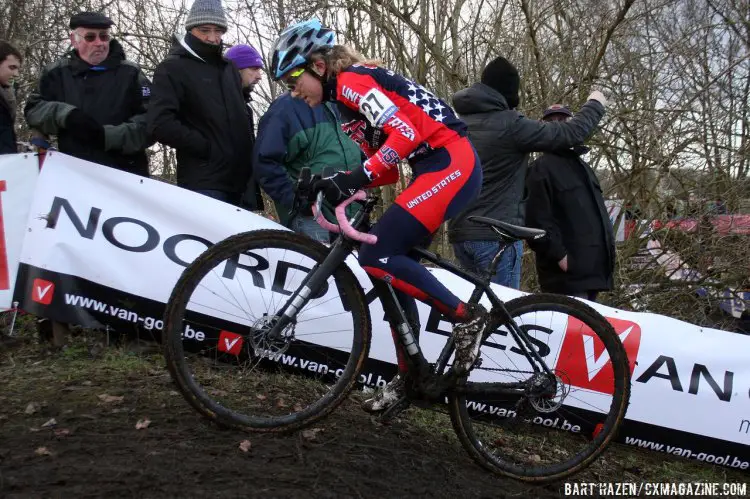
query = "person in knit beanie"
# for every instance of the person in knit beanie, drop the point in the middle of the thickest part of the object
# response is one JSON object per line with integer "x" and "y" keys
{"x": 198, "y": 108}
{"x": 249, "y": 63}
{"x": 501, "y": 75}
{"x": 503, "y": 138}
{"x": 206, "y": 12}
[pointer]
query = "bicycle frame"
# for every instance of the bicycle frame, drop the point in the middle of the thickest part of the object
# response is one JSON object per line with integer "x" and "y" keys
{"x": 431, "y": 384}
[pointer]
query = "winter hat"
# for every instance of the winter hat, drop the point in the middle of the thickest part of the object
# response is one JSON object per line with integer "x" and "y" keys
{"x": 244, "y": 56}
{"x": 94, "y": 20}
{"x": 206, "y": 12}
{"x": 556, "y": 109}
{"x": 502, "y": 76}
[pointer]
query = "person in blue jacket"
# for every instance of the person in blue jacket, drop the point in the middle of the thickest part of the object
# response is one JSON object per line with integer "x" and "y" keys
{"x": 291, "y": 136}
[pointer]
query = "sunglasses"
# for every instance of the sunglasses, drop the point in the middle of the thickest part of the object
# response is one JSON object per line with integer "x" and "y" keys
{"x": 291, "y": 81}
{"x": 91, "y": 37}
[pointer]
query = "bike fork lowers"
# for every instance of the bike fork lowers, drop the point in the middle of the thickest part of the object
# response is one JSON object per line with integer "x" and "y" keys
{"x": 310, "y": 287}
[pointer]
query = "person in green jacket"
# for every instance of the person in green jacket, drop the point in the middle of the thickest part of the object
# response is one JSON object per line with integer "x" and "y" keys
{"x": 291, "y": 136}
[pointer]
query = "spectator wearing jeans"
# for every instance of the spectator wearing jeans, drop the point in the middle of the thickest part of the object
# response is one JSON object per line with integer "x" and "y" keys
{"x": 577, "y": 256}
{"x": 503, "y": 138}
{"x": 197, "y": 107}
{"x": 291, "y": 136}
{"x": 10, "y": 65}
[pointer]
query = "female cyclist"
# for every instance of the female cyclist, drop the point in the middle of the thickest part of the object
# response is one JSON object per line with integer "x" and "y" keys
{"x": 392, "y": 119}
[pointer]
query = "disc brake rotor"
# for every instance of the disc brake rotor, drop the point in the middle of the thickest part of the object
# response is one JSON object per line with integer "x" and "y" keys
{"x": 263, "y": 344}
{"x": 547, "y": 394}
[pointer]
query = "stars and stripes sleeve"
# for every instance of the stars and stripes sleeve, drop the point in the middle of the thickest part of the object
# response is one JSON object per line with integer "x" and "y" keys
{"x": 362, "y": 93}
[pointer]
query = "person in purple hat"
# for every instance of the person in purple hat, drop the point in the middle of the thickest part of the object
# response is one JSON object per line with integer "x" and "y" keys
{"x": 250, "y": 65}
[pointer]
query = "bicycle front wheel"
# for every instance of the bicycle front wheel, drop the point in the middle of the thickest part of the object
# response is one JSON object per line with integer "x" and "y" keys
{"x": 220, "y": 348}
{"x": 565, "y": 418}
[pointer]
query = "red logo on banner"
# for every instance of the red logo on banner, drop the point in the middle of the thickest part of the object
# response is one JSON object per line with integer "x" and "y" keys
{"x": 230, "y": 342}
{"x": 4, "y": 272}
{"x": 42, "y": 291}
{"x": 585, "y": 361}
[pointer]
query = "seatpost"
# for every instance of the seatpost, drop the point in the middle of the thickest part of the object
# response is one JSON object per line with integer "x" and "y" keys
{"x": 504, "y": 245}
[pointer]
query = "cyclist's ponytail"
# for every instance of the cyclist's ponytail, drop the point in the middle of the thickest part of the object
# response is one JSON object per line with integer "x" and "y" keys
{"x": 340, "y": 57}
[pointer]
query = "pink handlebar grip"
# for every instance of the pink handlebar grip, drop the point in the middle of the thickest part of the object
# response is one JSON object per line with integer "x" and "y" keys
{"x": 346, "y": 227}
{"x": 321, "y": 219}
{"x": 344, "y": 224}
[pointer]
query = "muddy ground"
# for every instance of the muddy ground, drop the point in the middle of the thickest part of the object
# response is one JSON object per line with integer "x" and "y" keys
{"x": 68, "y": 428}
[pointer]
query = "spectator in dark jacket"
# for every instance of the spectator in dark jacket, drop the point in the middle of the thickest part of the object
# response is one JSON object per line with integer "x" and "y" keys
{"x": 250, "y": 66}
{"x": 10, "y": 65}
{"x": 197, "y": 108}
{"x": 577, "y": 256}
{"x": 503, "y": 138}
{"x": 293, "y": 135}
{"x": 94, "y": 100}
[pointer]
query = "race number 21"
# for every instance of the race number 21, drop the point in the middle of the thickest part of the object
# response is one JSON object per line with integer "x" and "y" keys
{"x": 4, "y": 278}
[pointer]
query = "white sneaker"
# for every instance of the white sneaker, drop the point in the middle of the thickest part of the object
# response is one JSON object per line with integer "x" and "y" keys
{"x": 467, "y": 338}
{"x": 387, "y": 396}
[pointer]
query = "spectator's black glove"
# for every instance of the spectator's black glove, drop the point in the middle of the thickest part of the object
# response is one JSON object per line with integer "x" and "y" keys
{"x": 85, "y": 128}
{"x": 342, "y": 185}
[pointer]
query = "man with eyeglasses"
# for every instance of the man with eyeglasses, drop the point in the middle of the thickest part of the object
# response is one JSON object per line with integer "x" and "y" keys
{"x": 93, "y": 99}
{"x": 197, "y": 107}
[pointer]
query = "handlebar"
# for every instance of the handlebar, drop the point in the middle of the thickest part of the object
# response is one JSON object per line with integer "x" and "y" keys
{"x": 344, "y": 226}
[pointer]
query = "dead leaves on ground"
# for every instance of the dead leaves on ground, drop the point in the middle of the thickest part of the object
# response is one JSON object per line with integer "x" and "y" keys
{"x": 32, "y": 408}
{"x": 245, "y": 446}
{"x": 142, "y": 424}
{"x": 311, "y": 434}
{"x": 110, "y": 399}
{"x": 52, "y": 422}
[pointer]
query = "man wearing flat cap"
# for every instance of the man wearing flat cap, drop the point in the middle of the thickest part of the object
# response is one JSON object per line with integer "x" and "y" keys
{"x": 198, "y": 108}
{"x": 93, "y": 99}
{"x": 577, "y": 257}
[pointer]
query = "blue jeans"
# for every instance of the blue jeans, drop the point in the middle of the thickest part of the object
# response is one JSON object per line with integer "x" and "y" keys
{"x": 475, "y": 256}
{"x": 309, "y": 227}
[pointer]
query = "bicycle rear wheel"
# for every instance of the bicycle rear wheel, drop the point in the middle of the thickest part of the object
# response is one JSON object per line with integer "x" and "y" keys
{"x": 217, "y": 344}
{"x": 548, "y": 434}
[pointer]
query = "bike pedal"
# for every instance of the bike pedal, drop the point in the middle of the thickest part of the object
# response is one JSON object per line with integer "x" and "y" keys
{"x": 389, "y": 414}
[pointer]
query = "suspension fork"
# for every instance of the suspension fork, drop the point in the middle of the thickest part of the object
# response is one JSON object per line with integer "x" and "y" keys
{"x": 404, "y": 328}
{"x": 311, "y": 285}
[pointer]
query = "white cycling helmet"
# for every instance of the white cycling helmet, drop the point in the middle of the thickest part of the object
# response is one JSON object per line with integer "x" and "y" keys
{"x": 297, "y": 43}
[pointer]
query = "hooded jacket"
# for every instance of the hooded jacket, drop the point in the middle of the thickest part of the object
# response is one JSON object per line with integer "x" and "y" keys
{"x": 198, "y": 108}
{"x": 503, "y": 138}
{"x": 114, "y": 93}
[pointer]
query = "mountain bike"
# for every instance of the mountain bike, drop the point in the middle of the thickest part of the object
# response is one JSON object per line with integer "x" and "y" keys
{"x": 286, "y": 332}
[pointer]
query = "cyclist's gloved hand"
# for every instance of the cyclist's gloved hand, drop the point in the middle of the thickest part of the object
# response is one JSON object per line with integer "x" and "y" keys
{"x": 342, "y": 185}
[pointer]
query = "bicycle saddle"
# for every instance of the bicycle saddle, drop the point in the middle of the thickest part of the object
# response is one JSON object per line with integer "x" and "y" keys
{"x": 510, "y": 231}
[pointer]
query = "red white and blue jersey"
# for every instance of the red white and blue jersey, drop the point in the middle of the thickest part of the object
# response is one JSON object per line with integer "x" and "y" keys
{"x": 392, "y": 118}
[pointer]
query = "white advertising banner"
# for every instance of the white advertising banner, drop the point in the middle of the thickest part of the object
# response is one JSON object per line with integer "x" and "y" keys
{"x": 18, "y": 175}
{"x": 105, "y": 247}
